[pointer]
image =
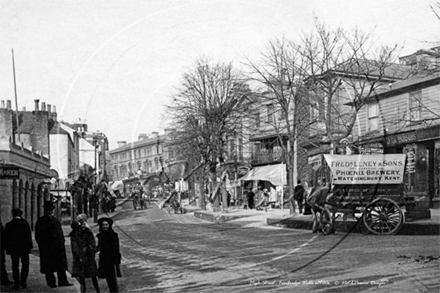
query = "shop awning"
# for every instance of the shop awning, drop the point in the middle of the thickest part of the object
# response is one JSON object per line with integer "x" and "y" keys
{"x": 275, "y": 174}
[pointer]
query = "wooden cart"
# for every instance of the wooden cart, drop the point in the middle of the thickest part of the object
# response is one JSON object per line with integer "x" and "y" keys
{"x": 371, "y": 185}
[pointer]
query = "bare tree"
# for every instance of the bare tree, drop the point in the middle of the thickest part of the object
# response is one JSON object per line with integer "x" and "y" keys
{"x": 280, "y": 88}
{"x": 343, "y": 72}
{"x": 204, "y": 112}
{"x": 436, "y": 9}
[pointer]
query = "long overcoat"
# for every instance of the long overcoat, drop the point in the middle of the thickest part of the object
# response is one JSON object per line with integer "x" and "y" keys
{"x": 83, "y": 246}
{"x": 18, "y": 237}
{"x": 109, "y": 255}
{"x": 50, "y": 239}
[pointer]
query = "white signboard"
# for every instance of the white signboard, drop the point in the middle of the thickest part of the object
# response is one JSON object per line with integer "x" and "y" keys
{"x": 367, "y": 169}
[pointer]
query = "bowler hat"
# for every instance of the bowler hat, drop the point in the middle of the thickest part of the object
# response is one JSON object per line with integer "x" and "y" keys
{"x": 17, "y": 212}
{"x": 48, "y": 205}
{"x": 105, "y": 219}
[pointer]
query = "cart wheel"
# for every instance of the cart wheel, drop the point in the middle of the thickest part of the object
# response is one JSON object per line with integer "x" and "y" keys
{"x": 326, "y": 222}
{"x": 383, "y": 216}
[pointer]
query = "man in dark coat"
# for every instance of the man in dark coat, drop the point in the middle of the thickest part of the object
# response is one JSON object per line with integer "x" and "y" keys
{"x": 50, "y": 238}
{"x": 250, "y": 198}
{"x": 299, "y": 196}
{"x": 18, "y": 237}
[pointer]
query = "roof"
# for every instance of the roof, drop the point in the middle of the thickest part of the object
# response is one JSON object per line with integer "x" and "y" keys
{"x": 399, "y": 86}
{"x": 139, "y": 143}
{"x": 58, "y": 129}
{"x": 372, "y": 68}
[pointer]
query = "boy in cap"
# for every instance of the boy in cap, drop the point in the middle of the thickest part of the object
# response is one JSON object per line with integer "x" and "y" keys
{"x": 50, "y": 239}
{"x": 18, "y": 238}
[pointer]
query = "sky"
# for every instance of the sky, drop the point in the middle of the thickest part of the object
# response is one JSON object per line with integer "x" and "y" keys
{"x": 115, "y": 64}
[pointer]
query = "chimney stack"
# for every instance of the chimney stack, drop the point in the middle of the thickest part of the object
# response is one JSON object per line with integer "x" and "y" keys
{"x": 36, "y": 105}
{"x": 121, "y": 143}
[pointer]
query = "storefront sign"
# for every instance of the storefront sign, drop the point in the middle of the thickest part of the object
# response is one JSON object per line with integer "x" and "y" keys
{"x": 9, "y": 173}
{"x": 401, "y": 138}
{"x": 368, "y": 169}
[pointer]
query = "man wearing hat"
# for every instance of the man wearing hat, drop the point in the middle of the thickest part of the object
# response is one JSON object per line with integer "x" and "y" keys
{"x": 50, "y": 238}
{"x": 18, "y": 238}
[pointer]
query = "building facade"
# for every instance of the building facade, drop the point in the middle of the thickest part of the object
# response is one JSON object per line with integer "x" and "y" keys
{"x": 26, "y": 173}
{"x": 132, "y": 162}
{"x": 405, "y": 118}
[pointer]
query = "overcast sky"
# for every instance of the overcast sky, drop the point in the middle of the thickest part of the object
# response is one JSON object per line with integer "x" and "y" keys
{"x": 115, "y": 63}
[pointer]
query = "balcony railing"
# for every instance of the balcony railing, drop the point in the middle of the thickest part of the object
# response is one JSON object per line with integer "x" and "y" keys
{"x": 267, "y": 157}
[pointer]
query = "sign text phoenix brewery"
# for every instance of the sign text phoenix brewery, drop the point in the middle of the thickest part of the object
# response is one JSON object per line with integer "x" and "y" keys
{"x": 367, "y": 169}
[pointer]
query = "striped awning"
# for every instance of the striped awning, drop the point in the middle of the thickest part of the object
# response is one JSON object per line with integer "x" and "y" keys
{"x": 275, "y": 174}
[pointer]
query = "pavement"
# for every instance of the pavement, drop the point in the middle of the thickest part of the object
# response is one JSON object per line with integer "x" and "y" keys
{"x": 282, "y": 218}
{"x": 36, "y": 281}
{"x": 269, "y": 219}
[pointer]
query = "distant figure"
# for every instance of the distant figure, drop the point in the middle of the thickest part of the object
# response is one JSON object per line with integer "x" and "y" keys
{"x": 4, "y": 274}
{"x": 245, "y": 200}
{"x": 83, "y": 247}
{"x": 250, "y": 198}
{"x": 50, "y": 239}
{"x": 299, "y": 196}
{"x": 18, "y": 238}
{"x": 109, "y": 256}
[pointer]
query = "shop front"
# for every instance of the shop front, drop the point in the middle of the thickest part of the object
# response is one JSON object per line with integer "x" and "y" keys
{"x": 422, "y": 173}
{"x": 271, "y": 177}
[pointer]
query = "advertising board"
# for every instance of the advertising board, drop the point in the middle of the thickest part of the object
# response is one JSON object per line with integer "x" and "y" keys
{"x": 367, "y": 169}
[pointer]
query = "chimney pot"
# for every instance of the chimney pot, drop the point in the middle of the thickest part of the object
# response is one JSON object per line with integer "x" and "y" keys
{"x": 23, "y": 109}
{"x": 43, "y": 106}
{"x": 3, "y": 104}
{"x": 36, "y": 105}
{"x": 8, "y": 104}
{"x": 49, "y": 108}
{"x": 54, "y": 108}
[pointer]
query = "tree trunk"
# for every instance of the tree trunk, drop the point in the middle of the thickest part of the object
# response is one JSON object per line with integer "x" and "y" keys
{"x": 202, "y": 203}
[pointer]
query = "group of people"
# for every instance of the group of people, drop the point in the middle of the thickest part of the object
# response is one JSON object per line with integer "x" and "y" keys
{"x": 257, "y": 199}
{"x": 16, "y": 240}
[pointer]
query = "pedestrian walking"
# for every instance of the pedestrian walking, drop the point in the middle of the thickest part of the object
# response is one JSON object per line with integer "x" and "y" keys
{"x": 83, "y": 247}
{"x": 299, "y": 196}
{"x": 50, "y": 239}
{"x": 4, "y": 274}
{"x": 18, "y": 238}
{"x": 109, "y": 254}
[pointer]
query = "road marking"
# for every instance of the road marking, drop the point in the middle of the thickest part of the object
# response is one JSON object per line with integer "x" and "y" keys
{"x": 279, "y": 257}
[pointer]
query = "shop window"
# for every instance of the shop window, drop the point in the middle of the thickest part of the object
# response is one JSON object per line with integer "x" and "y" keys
{"x": 373, "y": 117}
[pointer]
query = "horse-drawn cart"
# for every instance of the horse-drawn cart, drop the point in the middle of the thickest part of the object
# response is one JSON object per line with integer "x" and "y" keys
{"x": 371, "y": 185}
